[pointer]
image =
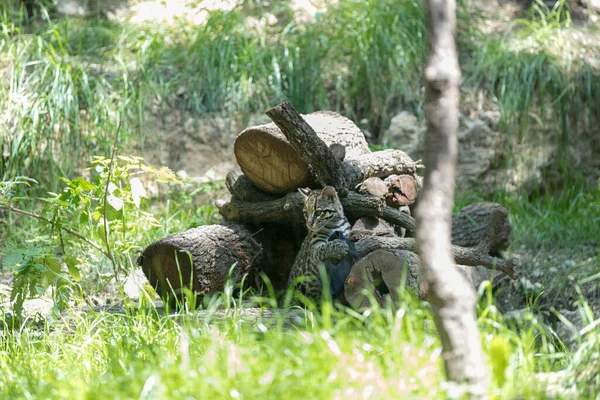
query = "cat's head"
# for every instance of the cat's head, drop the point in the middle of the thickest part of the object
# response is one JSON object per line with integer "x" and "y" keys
{"x": 321, "y": 206}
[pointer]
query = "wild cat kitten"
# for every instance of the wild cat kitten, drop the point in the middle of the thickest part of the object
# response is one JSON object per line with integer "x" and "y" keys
{"x": 325, "y": 243}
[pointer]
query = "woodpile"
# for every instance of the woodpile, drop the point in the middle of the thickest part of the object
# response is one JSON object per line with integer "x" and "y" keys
{"x": 264, "y": 218}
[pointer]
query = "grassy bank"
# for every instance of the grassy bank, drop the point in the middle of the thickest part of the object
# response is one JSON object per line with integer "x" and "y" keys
{"x": 379, "y": 354}
{"x": 64, "y": 81}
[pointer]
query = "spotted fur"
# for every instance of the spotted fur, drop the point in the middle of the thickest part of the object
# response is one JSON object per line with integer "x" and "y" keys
{"x": 324, "y": 216}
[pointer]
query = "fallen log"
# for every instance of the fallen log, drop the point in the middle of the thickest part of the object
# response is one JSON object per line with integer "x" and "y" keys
{"x": 471, "y": 223}
{"x": 326, "y": 168}
{"x": 402, "y": 191}
{"x": 202, "y": 259}
{"x": 468, "y": 256}
{"x": 373, "y": 186}
{"x": 379, "y": 273}
{"x": 242, "y": 188}
{"x": 274, "y": 165}
{"x": 289, "y": 209}
{"x": 382, "y": 272}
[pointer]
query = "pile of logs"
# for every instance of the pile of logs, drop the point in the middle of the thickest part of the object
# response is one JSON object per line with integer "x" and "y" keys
{"x": 265, "y": 226}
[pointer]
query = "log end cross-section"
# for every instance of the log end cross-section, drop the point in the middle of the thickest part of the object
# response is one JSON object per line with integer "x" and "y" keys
{"x": 269, "y": 160}
{"x": 202, "y": 259}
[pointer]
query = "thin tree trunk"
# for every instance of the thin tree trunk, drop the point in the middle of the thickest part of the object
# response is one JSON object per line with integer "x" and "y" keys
{"x": 451, "y": 298}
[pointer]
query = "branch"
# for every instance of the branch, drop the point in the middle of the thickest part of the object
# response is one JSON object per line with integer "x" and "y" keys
{"x": 328, "y": 168}
{"x": 110, "y": 166}
{"x": 467, "y": 256}
{"x": 314, "y": 151}
{"x": 289, "y": 209}
{"x": 48, "y": 221}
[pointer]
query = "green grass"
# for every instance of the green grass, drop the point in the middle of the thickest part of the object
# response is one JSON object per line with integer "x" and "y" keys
{"x": 65, "y": 80}
{"x": 139, "y": 354}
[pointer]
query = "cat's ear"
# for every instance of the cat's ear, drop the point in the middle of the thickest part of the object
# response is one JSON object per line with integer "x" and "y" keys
{"x": 329, "y": 191}
{"x": 305, "y": 192}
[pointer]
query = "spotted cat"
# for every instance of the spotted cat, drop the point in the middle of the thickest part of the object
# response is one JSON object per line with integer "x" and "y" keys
{"x": 324, "y": 244}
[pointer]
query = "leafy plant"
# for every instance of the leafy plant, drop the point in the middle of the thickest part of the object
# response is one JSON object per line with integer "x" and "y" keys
{"x": 79, "y": 215}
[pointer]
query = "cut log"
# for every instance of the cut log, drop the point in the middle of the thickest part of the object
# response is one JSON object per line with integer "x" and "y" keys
{"x": 371, "y": 226}
{"x": 402, "y": 191}
{"x": 241, "y": 188}
{"x": 289, "y": 208}
{"x": 310, "y": 148}
{"x": 470, "y": 224}
{"x": 468, "y": 256}
{"x": 379, "y": 273}
{"x": 373, "y": 186}
{"x": 326, "y": 168}
{"x": 382, "y": 272}
{"x": 273, "y": 165}
{"x": 201, "y": 258}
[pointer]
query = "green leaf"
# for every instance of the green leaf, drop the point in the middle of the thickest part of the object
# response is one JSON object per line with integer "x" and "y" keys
{"x": 73, "y": 267}
{"x": 97, "y": 215}
{"x": 53, "y": 264}
{"x": 82, "y": 184}
{"x": 13, "y": 257}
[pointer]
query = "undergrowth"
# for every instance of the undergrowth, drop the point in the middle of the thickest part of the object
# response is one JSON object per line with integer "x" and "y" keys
{"x": 65, "y": 80}
{"x": 380, "y": 353}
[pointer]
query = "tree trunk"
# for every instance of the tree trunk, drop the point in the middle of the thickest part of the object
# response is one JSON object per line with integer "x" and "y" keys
{"x": 451, "y": 297}
{"x": 288, "y": 209}
{"x": 274, "y": 165}
{"x": 326, "y": 168}
{"x": 201, "y": 259}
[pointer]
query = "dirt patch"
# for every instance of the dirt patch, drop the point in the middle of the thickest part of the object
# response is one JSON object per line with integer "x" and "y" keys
{"x": 552, "y": 280}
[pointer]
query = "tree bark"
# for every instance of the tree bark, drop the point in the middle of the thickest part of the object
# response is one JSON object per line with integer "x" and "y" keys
{"x": 471, "y": 223}
{"x": 451, "y": 297}
{"x": 289, "y": 208}
{"x": 274, "y": 165}
{"x": 326, "y": 167}
{"x": 381, "y": 272}
{"x": 466, "y": 256}
{"x": 201, "y": 259}
{"x": 314, "y": 151}
{"x": 242, "y": 188}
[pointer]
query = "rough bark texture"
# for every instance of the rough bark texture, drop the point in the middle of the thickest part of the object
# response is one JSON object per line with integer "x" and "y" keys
{"x": 371, "y": 226}
{"x": 379, "y": 273}
{"x": 451, "y": 297}
{"x": 381, "y": 164}
{"x": 466, "y": 256}
{"x": 242, "y": 188}
{"x": 271, "y": 162}
{"x": 325, "y": 166}
{"x": 289, "y": 209}
{"x": 471, "y": 223}
{"x": 327, "y": 169}
{"x": 201, "y": 256}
